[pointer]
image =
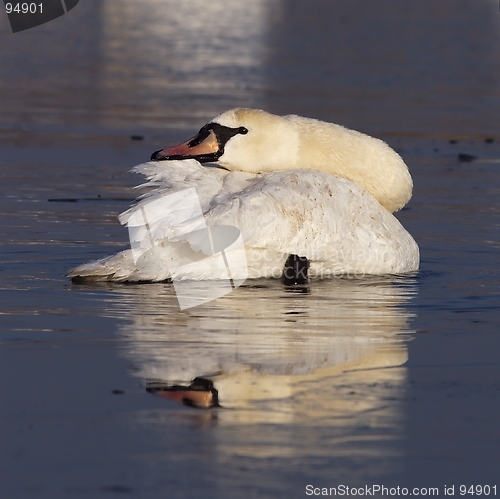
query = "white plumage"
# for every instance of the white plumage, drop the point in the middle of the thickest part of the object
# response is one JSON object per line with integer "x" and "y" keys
{"x": 308, "y": 209}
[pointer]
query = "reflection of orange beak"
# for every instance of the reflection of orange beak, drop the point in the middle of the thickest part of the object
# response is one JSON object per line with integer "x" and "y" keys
{"x": 203, "y": 147}
{"x": 201, "y": 393}
{"x": 202, "y": 400}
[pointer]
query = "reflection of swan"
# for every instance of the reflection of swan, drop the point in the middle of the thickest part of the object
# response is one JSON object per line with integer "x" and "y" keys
{"x": 284, "y": 347}
{"x": 243, "y": 388}
{"x": 336, "y": 213}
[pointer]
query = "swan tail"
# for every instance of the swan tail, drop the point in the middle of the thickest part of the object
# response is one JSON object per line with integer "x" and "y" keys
{"x": 116, "y": 268}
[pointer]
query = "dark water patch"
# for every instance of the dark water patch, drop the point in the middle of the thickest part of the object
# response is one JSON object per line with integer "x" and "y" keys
{"x": 466, "y": 158}
{"x": 98, "y": 198}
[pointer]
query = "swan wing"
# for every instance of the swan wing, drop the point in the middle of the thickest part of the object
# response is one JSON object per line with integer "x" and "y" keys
{"x": 332, "y": 221}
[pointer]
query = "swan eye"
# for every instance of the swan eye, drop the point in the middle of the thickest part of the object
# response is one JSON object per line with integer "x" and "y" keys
{"x": 242, "y": 130}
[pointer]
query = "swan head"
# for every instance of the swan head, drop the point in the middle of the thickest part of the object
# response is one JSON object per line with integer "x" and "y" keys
{"x": 254, "y": 141}
{"x": 248, "y": 140}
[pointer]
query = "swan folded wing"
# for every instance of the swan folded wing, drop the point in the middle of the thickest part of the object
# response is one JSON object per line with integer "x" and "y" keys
{"x": 168, "y": 230}
{"x": 162, "y": 180}
{"x": 296, "y": 211}
{"x": 173, "y": 210}
{"x": 333, "y": 222}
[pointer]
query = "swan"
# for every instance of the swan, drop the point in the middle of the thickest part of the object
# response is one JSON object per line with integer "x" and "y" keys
{"x": 290, "y": 186}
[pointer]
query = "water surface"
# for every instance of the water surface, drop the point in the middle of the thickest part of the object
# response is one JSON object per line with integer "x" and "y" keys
{"x": 390, "y": 380}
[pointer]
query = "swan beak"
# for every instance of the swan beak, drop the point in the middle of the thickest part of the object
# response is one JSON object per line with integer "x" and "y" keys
{"x": 201, "y": 400}
{"x": 203, "y": 147}
{"x": 200, "y": 393}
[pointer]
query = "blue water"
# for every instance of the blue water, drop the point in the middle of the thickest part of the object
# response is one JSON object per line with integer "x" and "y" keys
{"x": 383, "y": 380}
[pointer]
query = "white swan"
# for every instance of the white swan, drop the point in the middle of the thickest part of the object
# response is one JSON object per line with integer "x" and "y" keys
{"x": 291, "y": 185}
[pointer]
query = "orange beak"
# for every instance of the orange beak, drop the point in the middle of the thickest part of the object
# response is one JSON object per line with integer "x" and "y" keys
{"x": 201, "y": 400}
{"x": 201, "y": 393}
{"x": 204, "y": 147}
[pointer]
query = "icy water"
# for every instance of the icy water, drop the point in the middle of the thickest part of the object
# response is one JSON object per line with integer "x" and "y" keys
{"x": 392, "y": 381}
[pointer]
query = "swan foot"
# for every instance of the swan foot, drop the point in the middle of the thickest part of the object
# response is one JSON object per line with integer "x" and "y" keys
{"x": 295, "y": 270}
